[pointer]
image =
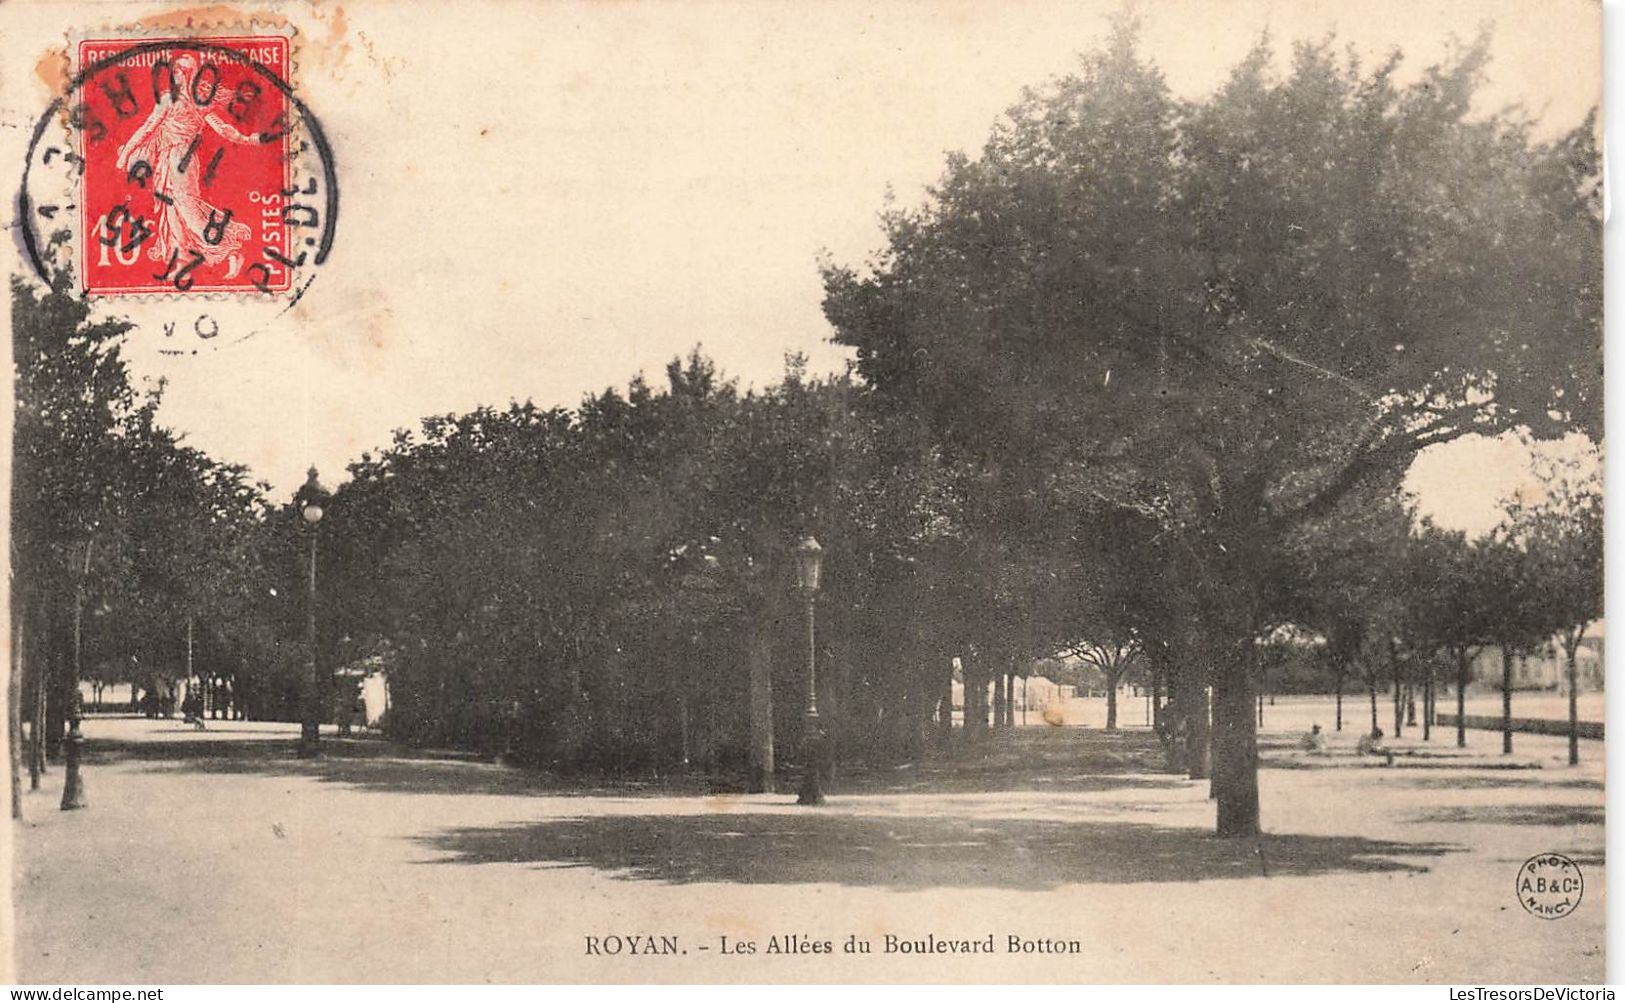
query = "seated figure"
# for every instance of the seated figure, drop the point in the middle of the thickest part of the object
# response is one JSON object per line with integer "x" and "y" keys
{"x": 1313, "y": 740}
{"x": 1372, "y": 745}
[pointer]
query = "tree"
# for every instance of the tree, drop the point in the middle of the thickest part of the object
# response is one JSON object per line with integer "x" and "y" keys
{"x": 1113, "y": 656}
{"x": 607, "y": 587}
{"x": 1116, "y": 598}
{"x": 1451, "y": 589}
{"x": 1346, "y": 579}
{"x": 1248, "y": 305}
{"x": 120, "y": 531}
{"x": 1562, "y": 536}
{"x": 76, "y": 415}
{"x": 1515, "y": 621}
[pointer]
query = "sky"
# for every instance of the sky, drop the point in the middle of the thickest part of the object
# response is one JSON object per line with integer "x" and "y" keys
{"x": 541, "y": 200}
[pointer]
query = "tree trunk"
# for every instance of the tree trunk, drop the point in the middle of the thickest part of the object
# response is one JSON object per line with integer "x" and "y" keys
{"x": 1461, "y": 698}
{"x": 945, "y": 710}
{"x": 1339, "y": 702}
{"x": 975, "y": 696}
{"x": 1399, "y": 692}
{"x": 1427, "y": 704}
{"x": 1111, "y": 702}
{"x": 967, "y": 702}
{"x": 14, "y": 716}
{"x": 1371, "y": 685}
{"x": 682, "y": 731}
{"x": 1176, "y": 746}
{"x": 984, "y": 706}
{"x": 189, "y": 656}
{"x": 1235, "y": 745}
{"x": 984, "y": 695}
{"x": 1506, "y": 700}
{"x": 760, "y": 766}
{"x": 833, "y": 672}
{"x": 921, "y": 700}
{"x": 56, "y": 719}
{"x": 36, "y": 718}
{"x": 1198, "y": 732}
{"x": 1570, "y": 648}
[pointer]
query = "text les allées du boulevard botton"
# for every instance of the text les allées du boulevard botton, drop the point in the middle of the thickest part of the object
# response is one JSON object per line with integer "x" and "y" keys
{"x": 788, "y": 944}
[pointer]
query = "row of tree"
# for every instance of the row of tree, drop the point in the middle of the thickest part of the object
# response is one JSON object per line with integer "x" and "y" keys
{"x": 1401, "y": 600}
{"x": 1141, "y": 380}
{"x": 134, "y": 557}
{"x": 1235, "y": 316}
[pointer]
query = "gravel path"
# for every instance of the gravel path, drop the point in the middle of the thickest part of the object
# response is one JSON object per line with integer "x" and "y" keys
{"x": 217, "y": 857}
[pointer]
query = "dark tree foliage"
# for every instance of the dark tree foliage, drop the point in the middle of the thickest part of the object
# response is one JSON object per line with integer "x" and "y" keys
{"x": 585, "y": 589}
{"x": 121, "y": 533}
{"x": 1246, "y": 305}
{"x": 1141, "y": 379}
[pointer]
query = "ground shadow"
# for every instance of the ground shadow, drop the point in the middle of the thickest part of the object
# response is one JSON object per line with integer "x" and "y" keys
{"x": 99, "y": 751}
{"x": 1529, "y": 780}
{"x": 368, "y": 763}
{"x": 912, "y": 852}
{"x": 1030, "y": 759}
{"x": 220, "y": 736}
{"x": 1039, "y": 760}
{"x": 1519, "y": 814}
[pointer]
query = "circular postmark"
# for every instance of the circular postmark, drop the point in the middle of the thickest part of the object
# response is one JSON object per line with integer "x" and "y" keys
{"x": 175, "y": 170}
{"x": 1550, "y": 885}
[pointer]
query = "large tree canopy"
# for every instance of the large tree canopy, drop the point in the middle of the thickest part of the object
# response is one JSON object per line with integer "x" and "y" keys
{"x": 121, "y": 533}
{"x": 1243, "y": 306}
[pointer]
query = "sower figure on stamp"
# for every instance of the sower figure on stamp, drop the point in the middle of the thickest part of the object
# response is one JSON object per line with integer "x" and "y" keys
{"x": 168, "y": 143}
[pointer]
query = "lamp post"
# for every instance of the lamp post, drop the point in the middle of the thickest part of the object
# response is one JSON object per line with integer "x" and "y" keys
{"x": 311, "y": 499}
{"x": 809, "y": 556}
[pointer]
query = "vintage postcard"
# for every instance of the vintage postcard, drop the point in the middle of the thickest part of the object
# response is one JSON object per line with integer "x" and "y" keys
{"x": 729, "y": 491}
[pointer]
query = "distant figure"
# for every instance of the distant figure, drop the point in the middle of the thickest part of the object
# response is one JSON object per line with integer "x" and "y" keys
{"x": 1372, "y": 745}
{"x": 192, "y": 712}
{"x": 1313, "y": 741}
{"x": 349, "y": 704}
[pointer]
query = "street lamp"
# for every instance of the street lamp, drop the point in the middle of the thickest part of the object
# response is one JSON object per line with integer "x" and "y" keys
{"x": 311, "y": 498}
{"x": 73, "y": 787}
{"x": 809, "y": 556}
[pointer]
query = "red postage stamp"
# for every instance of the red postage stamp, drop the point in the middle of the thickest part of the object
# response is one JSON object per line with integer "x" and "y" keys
{"x": 186, "y": 165}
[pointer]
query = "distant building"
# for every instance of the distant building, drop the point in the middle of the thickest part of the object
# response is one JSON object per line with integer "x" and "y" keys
{"x": 119, "y": 695}
{"x": 1546, "y": 669}
{"x": 371, "y": 683}
{"x": 1031, "y": 692}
